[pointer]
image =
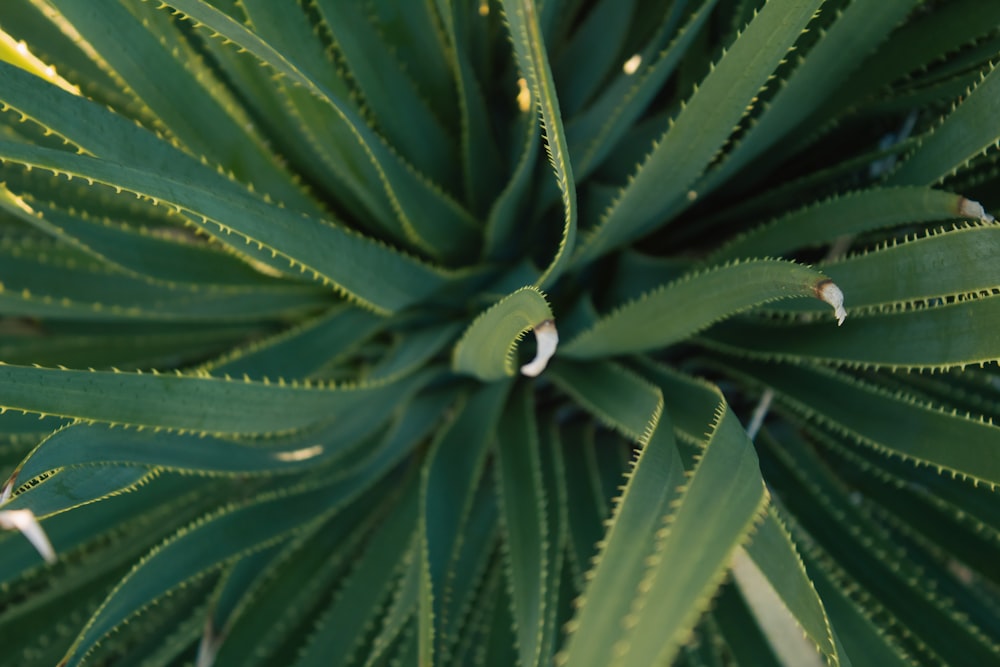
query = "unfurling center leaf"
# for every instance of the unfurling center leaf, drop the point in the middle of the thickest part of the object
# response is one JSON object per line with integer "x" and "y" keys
{"x": 486, "y": 349}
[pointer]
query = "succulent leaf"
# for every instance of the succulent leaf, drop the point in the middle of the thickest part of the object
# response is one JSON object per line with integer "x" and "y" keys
{"x": 486, "y": 349}
{"x": 264, "y": 270}
{"x": 655, "y": 320}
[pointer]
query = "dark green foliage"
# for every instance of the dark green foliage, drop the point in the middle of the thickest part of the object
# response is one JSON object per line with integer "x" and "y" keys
{"x": 265, "y": 271}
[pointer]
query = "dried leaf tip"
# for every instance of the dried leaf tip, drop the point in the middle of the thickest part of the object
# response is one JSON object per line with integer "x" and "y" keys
{"x": 972, "y": 209}
{"x": 547, "y": 338}
{"x": 25, "y": 521}
{"x": 827, "y": 290}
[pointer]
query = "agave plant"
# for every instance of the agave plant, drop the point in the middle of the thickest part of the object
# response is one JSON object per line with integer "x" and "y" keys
{"x": 265, "y": 269}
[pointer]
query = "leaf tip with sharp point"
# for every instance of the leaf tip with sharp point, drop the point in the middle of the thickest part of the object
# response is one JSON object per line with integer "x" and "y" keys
{"x": 25, "y": 521}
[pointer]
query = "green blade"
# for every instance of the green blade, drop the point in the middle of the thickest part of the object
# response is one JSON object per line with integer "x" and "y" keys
{"x": 385, "y": 87}
{"x": 718, "y": 505}
{"x": 70, "y": 488}
{"x": 841, "y": 50}
{"x": 413, "y": 351}
{"x": 474, "y": 555}
{"x": 361, "y": 268}
{"x": 185, "y": 97}
{"x": 963, "y": 134}
{"x": 327, "y": 154}
{"x": 27, "y": 22}
{"x": 590, "y": 53}
{"x": 918, "y": 604}
{"x": 523, "y": 501}
{"x": 234, "y": 532}
{"x": 533, "y": 62}
{"x": 931, "y": 338}
{"x": 481, "y": 162}
{"x": 616, "y": 396}
{"x": 136, "y": 251}
{"x": 123, "y": 350}
{"x": 619, "y": 567}
{"x": 450, "y": 476}
{"x": 185, "y": 403}
{"x": 301, "y": 352}
{"x": 39, "y": 287}
{"x": 240, "y": 582}
{"x": 596, "y": 131}
{"x": 401, "y": 607}
{"x": 88, "y": 126}
{"x": 947, "y": 517}
{"x": 862, "y": 637}
{"x": 586, "y": 497}
{"x": 674, "y": 311}
{"x": 93, "y": 445}
{"x": 931, "y": 269}
{"x": 341, "y": 628}
{"x": 511, "y": 205}
{"x": 701, "y": 128}
{"x": 645, "y": 613}
{"x": 431, "y": 220}
{"x": 773, "y": 550}
{"x": 891, "y": 423}
{"x": 854, "y": 213}
{"x": 154, "y": 509}
{"x": 559, "y": 584}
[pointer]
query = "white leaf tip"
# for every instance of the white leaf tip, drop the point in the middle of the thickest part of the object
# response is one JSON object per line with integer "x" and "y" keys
{"x": 970, "y": 208}
{"x": 547, "y": 338}
{"x": 25, "y": 521}
{"x": 827, "y": 290}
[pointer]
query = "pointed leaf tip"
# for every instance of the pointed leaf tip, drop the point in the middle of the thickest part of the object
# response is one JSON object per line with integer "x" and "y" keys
{"x": 827, "y": 290}
{"x": 25, "y": 521}
{"x": 547, "y": 338}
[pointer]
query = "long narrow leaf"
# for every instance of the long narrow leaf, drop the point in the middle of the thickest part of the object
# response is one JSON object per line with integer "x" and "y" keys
{"x": 523, "y": 503}
{"x": 851, "y": 214}
{"x": 715, "y": 512}
{"x": 600, "y": 621}
{"x": 701, "y": 128}
{"x": 450, "y": 476}
{"x": 950, "y": 146}
{"x": 658, "y": 318}
{"x": 773, "y": 551}
{"x": 375, "y": 275}
{"x": 193, "y": 552}
{"x": 190, "y": 403}
{"x": 893, "y": 424}
{"x": 529, "y": 46}
{"x": 414, "y": 200}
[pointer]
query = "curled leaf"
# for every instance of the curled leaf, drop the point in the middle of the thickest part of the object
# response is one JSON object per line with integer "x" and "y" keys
{"x": 486, "y": 349}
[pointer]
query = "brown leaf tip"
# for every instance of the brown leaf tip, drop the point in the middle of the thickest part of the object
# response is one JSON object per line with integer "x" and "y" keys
{"x": 827, "y": 290}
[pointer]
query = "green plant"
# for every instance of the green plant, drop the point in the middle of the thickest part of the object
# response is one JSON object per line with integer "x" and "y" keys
{"x": 327, "y": 224}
